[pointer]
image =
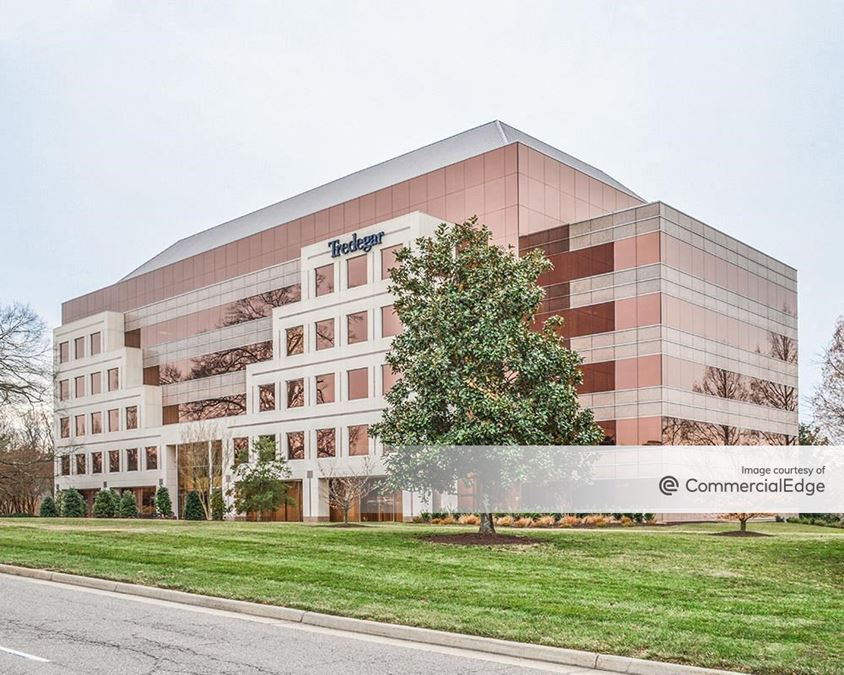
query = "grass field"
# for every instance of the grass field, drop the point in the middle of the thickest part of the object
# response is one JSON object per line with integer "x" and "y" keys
{"x": 761, "y": 605}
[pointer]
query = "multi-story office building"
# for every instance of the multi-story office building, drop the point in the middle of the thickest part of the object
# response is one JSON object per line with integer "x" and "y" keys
{"x": 276, "y": 324}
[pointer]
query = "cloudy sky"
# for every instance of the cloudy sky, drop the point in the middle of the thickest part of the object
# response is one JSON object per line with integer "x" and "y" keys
{"x": 125, "y": 126}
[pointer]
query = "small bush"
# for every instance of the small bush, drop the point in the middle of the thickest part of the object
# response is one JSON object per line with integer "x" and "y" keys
{"x": 425, "y": 517}
{"x": 568, "y": 521}
{"x": 469, "y": 519}
{"x": 105, "y": 505}
{"x": 524, "y": 521}
{"x": 162, "y": 502}
{"x": 601, "y": 521}
{"x": 626, "y": 521}
{"x": 447, "y": 520}
{"x": 504, "y": 521}
{"x": 218, "y": 506}
{"x": 544, "y": 521}
{"x": 128, "y": 507}
{"x": 73, "y": 504}
{"x": 193, "y": 507}
{"x": 48, "y": 508}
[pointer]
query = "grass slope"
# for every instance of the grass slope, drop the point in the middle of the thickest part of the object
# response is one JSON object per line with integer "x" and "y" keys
{"x": 762, "y": 605}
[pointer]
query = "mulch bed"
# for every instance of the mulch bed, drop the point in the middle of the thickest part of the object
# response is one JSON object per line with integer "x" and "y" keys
{"x": 739, "y": 533}
{"x": 477, "y": 539}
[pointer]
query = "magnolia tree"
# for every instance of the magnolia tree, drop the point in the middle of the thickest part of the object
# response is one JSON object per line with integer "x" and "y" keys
{"x": 474, "y": 370}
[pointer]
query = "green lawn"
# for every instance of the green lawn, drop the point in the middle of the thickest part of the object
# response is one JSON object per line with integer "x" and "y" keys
{"x": 762, "y": 605}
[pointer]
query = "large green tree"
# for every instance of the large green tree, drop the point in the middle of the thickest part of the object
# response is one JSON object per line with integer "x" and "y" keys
{"x": 473, "y": 368}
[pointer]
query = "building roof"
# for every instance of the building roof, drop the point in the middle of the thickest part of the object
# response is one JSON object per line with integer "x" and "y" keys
{"x": 457, "y": 148}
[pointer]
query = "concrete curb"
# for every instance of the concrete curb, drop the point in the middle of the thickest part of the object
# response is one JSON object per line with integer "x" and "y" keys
{"x": 556, "y": 655}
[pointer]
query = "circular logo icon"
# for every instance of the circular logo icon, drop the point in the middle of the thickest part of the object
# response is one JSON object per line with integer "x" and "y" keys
{"x": 668, "y": 485}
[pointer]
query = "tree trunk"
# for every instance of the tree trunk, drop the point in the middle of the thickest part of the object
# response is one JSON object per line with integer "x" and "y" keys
{"x": 346, "y": 515}
{"x": 487, "y": 524}
{"x": 743, "y": 527}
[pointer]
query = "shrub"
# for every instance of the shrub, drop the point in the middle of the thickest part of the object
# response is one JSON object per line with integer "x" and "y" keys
{"x": 568, "y": 521}
{"x": 127, "y": 507}
{"x": 523, "y": 522}
{"x": 425, "y": 517}
{"x": 626, "y": 521}
{"x": 162, "y": 502}
{"x": 218, "y": 506}
{"x": 73, "y": 504}
{"x": 649, "y": 518}
{"x": 48, "y": 508}
{"x": 544, "y": 521}
{"x": 469, "y": 519}
{"x": 105, "y": 505}
{"x": 447, "y": 520}
{"x": 193, "y": 507}
{"x": 600, "y": 521}
{"x": 504, "y": 521}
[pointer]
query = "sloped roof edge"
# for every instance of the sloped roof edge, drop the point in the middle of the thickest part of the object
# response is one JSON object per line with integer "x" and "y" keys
{"x": 470, "y": 143}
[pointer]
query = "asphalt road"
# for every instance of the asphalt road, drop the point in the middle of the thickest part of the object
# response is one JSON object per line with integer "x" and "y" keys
{"x": 48, "y": 628}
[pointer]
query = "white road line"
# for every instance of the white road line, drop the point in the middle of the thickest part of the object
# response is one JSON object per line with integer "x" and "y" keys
{"x": 24, "y": 655}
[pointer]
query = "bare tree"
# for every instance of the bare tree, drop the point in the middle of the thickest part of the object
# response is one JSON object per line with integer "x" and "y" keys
{"x": 261, "y": 305}
{"x": 24, "y": 350}
{"x": 26, "y": 461}
{"x": 722, "y": 383}
{"x": 828, "y": 400}
{"x": 348, "y": 484}
{"x": 203, "y": 455}
{"x": 742, "y": 518}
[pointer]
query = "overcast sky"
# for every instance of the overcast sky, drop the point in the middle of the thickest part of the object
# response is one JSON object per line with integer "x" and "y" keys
{"x": 125, "y": 126}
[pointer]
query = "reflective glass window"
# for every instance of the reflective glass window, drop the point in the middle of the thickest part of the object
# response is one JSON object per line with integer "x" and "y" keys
{"x": 358, "y": 383}
{"x": 325, "y": 388}
{"x": 390, "y": 324}
{"x": 326, "y": 443}
{"x": 96, "y": 343}
{"x": 359, "y": 439}
{"x": 324, "y": 334}
{"x": 324, "y": 279}
{"x": 295, "y": 340}
{"x": 295, "y": 393}
{"x": 296, "y": 445}
{"x": 357, "y": 326}
{"x": 132, "y": 417}
{"x": 356, "y": 271}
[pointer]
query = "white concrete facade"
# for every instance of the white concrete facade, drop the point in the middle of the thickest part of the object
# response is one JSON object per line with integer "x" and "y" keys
{"x": 363, "y": 356}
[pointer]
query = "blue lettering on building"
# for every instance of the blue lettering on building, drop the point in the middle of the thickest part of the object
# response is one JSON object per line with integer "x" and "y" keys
{"x": 356, "y": 243}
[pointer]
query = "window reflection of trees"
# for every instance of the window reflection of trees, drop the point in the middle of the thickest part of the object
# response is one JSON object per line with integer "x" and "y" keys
{"x": 228, "y": 360}
{"x": 730, "y": 385}
{"x": 734, "y": 386}
{"x": 676, "y": 431}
